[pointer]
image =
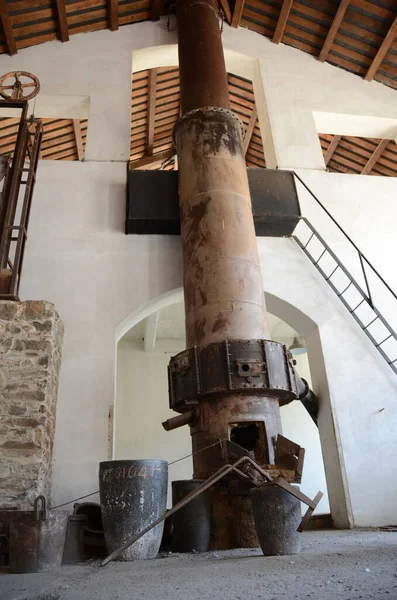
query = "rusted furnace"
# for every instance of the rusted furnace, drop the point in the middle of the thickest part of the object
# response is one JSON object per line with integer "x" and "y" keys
{"x": 230, "y": 382}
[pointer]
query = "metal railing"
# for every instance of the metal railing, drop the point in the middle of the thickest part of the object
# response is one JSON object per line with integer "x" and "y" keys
{"x": 357, "y": 298}
{"x": 16, "y": 200}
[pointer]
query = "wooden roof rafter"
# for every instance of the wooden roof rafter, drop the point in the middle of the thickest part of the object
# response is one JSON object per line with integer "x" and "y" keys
{"x": 282, "y": 21}
{"x": 113, "y": 14}
{"x": 237, "y": 13}
{"x": 384, "y": 48}
{"x": 333, "y": 30}
{"x": 7, "y": 28}
{"x": 62, "y": 20}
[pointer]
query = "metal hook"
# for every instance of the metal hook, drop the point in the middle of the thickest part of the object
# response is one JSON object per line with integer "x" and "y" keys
{"x": 40, "y": 499}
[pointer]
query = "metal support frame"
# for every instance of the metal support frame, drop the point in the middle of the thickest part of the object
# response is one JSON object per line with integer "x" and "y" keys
{"x": 24, "y": 163}
{"x": 217, "y": 476}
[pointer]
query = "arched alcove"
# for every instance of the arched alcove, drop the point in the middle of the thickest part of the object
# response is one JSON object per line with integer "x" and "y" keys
{"x": 145, "y": 363}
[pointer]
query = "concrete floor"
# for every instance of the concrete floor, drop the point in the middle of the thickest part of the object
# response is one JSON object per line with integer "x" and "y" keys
{"x": 334, "y": 565}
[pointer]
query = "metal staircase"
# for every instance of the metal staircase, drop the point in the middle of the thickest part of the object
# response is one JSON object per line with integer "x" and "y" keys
{"x": 366, "y": 295}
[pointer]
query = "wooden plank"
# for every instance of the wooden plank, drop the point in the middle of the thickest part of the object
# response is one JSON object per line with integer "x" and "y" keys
{"x": 62, "y": 21}
{"x": 375, "y": 157}
{"x": 226, "y": 10}
{"x": 78, "y": 138}
{"x": 7, "y": 28}
{"x": 333, "y": 30}
{"x": 238, "y": 11}
{"x": 380, "y": 55}
{"x": 157, "y": 9}
{"x": 250, "y": 129}
{"x": 113, "y": 14}
{"x": 149, "y": 160}
{"x": 332, "y": 148}
{"x": 282, "y": 21}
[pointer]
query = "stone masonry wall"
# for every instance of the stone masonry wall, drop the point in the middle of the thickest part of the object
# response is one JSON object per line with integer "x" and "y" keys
{"x": 31, "y": 336}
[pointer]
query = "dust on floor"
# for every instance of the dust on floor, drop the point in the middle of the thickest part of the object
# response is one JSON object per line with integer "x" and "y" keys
{"x": 333, "y": 565}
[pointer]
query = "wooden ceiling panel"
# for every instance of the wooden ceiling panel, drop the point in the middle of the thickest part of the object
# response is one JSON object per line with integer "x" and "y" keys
{"x": 357, "y": 35}
{"x": 166, "y": 104}
{"x": 365, "y": 156}
{"x": 63, "y": 139}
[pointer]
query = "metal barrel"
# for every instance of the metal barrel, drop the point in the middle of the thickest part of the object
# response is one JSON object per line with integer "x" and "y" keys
{"x": 36, "y": 544}
{"x": 192, "y": 523}
{"x": 277, "y": 515}
{"x": 133, "y": 494}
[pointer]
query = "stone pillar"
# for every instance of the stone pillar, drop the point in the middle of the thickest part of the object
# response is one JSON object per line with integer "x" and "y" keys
{"x": 31, "y": 336}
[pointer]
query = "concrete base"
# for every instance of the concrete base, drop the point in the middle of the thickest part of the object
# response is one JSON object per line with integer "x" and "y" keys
{"x": 333, "y": 564}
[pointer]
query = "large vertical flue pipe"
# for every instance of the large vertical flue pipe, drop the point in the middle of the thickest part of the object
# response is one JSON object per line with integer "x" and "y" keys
{"x": 224, "y": 298}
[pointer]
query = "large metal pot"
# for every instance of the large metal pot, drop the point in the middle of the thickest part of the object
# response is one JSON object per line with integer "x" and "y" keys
{"x": 133, "y": 494}
{"x": 277, "y": 515}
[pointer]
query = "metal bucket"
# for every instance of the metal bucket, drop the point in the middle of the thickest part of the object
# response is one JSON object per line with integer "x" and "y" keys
{"x": 37, "y": 538}
{"x": 192, "y": 523}
{"x": 277, "y": 515}
{"x": 133, "y": 494}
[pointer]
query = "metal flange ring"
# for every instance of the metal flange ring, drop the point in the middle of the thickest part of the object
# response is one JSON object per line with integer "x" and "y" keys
{"x": 16, "y": 90}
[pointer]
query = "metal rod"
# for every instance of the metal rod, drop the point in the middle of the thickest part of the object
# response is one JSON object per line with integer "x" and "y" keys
{"x": 344, "y": 232}
{"x": 365, "y": 279}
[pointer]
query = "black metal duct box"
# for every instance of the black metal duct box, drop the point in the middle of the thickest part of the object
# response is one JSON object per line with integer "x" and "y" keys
{"x": 152, "y": 202}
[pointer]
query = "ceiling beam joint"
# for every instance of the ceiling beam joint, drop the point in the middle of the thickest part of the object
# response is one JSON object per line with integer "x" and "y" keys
{"x": 78, "y": 138}
{"x": 282, "y": 21}
{"x": 238, "y": 11}
{"x": 157, "y": 9}
{"x": 381, "y": 147}
{"x": 250, "y": 129}
{"x": 7, "y": 28}
{"x": 331, "y": 148}
{"x": 333, "y": 30}
{"x": 383, "y": 50}
{"x": 113, "y": 15}
{"x": 63, "y": 28}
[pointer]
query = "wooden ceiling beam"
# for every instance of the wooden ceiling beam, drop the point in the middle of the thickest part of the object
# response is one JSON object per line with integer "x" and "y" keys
{"x": 78, "y": 139}
{"x": 331, "y": 148}
{"x": 7, "y": 28}
{"x": 146, "y": 161}
{"x": 226, "y": 10}
{"x": 63, "y": 28}
{"x": 238, "y": 11}
{"x": 333, "y": 30}
{"x": 151, "y": 111}
{"x": 380, "y": 55}
{"x": 113, "y": 14}
{"x": 250, "y": 129}
{"x": 157, "y": 9}
{"x": 381, "y": 147}
{"x": 282, "y": 21}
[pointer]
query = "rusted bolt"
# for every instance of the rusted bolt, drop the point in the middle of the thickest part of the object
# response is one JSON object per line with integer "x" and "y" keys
{"x": 249, "y": 379}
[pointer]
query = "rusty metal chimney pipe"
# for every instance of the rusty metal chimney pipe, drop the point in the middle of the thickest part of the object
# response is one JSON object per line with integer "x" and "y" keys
{"x": 223, "y": 288}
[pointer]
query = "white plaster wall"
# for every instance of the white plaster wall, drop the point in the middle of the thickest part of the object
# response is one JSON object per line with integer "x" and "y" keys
{"x": 299, "y": 427}
{"x": 142, "y": 405}
{"x": 78, "y": 257}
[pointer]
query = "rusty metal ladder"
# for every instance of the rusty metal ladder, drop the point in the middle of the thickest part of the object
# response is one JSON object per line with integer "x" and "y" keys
{"x": 16, "y": 200}
{"x": 357, "y": 298}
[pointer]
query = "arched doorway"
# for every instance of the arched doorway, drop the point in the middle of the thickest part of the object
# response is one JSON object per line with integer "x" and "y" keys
{"x": 147, "y": 339}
